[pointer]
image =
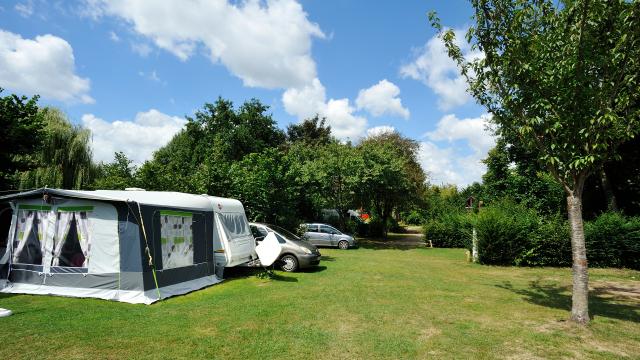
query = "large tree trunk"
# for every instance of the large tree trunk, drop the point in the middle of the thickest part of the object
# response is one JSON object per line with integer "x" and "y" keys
{"x": 580, "y": 295}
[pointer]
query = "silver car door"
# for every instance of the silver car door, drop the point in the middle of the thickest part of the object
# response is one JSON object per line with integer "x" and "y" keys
{"x": 313, "y": 234}
{"x": 327, "y": 237}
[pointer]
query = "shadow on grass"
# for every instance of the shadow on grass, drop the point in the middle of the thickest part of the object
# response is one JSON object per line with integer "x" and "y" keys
{"x": 602, "y": 302}
{"x": 313, "y": 269}
{"x": 378, "y": 244}
{"x": 327, "y": 258}
{"x": 6, "y": 296}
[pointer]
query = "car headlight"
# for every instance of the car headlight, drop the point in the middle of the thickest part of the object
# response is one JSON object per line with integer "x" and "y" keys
{"x": 307, "y": 251}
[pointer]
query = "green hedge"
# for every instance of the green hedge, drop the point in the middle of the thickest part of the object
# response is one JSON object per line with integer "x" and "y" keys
{"x": 504, "y": 232}
{"x": 510, "y": 234}
{"x": 450, "y": 230}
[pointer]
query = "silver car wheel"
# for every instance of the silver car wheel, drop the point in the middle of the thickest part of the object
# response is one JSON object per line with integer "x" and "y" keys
{"x": 289, "y": 263}
{"x": 343, "y": 245}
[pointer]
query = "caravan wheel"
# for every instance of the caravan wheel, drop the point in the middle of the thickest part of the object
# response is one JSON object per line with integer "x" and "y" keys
{"x": 289, "y": 263}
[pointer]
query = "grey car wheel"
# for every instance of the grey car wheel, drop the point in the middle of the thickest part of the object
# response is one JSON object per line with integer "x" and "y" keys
{"x": 289, "y": 263}
{"x": 343, "y": 245}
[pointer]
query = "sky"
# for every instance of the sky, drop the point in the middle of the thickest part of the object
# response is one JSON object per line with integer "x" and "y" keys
{"x": 131, "y": 70}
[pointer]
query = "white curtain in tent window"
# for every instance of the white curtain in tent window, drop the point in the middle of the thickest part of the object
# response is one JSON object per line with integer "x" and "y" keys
{"x": 25, "y": 225}
{"x": 43, "y": 227}
{"x": 235, "y": 224}
{"x": 84, "y": 235}
{"x": 64, "y": 225}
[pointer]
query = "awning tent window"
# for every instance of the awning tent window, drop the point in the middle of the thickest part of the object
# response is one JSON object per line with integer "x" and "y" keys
{"x": 72, "y": 242}
{"x": 31, "y": 230}
{"x": 176, "y": 238}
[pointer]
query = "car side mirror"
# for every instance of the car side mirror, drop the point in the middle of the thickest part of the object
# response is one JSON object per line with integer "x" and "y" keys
{"x": 333, "y": 233}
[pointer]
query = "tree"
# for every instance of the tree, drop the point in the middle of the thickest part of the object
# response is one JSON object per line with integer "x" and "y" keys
{"x": 21, "y": 131}
{"x": 117, "y": 175}
{"x": 311, "y": 131}
{"x": 198, "y": 159}
{"x": 64, "y": 159}
{"x": 390, "y": 177}
{"x": 563, "y": 81}
{"x": 331, "y": 178}
{"x": 267, "y": 187}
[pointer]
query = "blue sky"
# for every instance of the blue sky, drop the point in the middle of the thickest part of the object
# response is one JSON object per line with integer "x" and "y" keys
{"x": 131, "y": 70}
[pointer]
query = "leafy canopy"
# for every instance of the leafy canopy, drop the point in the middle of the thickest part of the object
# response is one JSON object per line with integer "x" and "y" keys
{"x": 561, "y": 79}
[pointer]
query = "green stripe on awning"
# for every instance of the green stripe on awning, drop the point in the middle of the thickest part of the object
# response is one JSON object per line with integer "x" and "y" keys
{"x": 176, "y": 213}
{"x": 75, "y": 208}
{"x": 34, "y": 207}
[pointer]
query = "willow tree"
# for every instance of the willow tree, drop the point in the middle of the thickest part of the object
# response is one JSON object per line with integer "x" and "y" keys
{"x": 65, "y": 158}
{"x": 562, "y": 80}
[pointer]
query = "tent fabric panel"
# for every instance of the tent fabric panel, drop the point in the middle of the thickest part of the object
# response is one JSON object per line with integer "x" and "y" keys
{"x": 5, "y": 258}
{"x": 88, "y": 281}
{"x": 128, "y": 296}
{"x": 123, "y": 281}
{"x": 131, "y": 244}
{"x": 174, "y": 276}
{"x": 104, "y": 239}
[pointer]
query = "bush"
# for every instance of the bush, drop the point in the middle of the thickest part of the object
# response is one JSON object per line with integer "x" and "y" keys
{"x": 505, "y": 232}
{"x": 414, "y": 217}
{"x": 550, "y": 246}
{"x": 613, "y": 241}
{"x": 450, "y": 230}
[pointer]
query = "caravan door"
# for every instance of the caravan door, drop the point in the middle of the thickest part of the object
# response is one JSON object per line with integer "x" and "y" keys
{"x": 235, "y": 235}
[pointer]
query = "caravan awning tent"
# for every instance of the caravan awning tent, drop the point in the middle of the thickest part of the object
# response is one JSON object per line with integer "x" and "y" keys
{"x": 131, "y": 246}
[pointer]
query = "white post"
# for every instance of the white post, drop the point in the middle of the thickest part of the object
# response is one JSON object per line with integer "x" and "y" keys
{"x": 474, "y": 246}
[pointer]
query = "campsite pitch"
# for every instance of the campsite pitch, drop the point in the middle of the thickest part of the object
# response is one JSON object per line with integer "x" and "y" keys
{"x": 367, "y": 303}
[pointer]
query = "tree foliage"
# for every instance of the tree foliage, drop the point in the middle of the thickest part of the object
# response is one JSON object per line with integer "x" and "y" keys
{"x": 117, "y": 175}
{"x": 21, "y": 131}
{"x": 562, "y": 81}
{"x": 64, "y": 159}
{"x": 311, "y": 131}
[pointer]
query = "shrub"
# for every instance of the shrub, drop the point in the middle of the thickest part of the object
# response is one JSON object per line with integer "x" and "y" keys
{"x": 414, "y": 217}
{"x": 613, "y": 240}
{"x": 449, "y": 230}
{"x": 550, "y": 245}
{"x": 505, "y": 231}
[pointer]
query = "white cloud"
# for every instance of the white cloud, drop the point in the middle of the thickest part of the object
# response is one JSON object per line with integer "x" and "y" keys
{"x": 382, "y": 98}
{"x": 138, "y": 139}
{"x": 265, "y": 43}
{"x": 379, "y": 130}
{"x": 435, "y": 69}
{"x": 25, "y": 9}
{"x": 475, "y": 131}
{"x": 310, "y": 100}
{"x": 114, "y": 37}
{"x": 459, "y": 160}
{"x": 44, "y": 66}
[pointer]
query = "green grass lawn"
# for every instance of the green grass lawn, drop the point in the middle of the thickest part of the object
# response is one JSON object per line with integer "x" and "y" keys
{"x": 364, "y": 303}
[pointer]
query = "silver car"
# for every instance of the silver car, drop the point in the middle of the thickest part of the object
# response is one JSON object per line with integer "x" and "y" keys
{"x": 326, "y": 235}
{"x": 296, "y": 254}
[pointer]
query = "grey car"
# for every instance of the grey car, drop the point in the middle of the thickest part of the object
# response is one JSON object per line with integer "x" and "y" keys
{"x": 326, "y": 235}
{"x": 296, "y": 253}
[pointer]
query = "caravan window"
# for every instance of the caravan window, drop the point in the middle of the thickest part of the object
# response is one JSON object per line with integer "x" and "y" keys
{"x": 31, "y": 229}
{"x": 72, "y": 241}
{"x": 235, "y": 224}
{"x": 176, "y": 238}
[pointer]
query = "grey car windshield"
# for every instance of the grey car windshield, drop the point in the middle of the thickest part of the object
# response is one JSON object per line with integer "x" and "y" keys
{"x": 288, "y": 234}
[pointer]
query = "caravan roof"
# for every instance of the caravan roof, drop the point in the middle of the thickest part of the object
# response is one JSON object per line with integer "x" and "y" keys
{"x": 157, "y": 198}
